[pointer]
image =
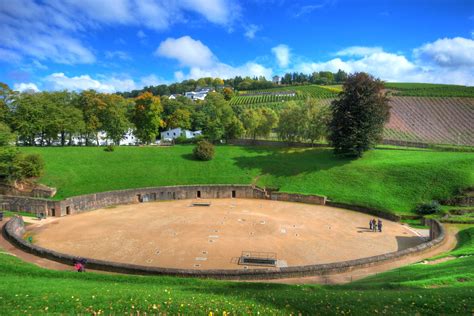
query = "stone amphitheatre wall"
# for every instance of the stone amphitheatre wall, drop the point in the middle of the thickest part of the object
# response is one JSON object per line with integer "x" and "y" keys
{"x": 88, "y": 202}
{"x": 14, "y": 231}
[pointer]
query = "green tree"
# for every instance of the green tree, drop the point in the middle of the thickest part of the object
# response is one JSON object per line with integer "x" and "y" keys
{"x": 15, "y": 166}
{"x": 201, "y": 83}
{"x": 6, "y": 96}
{"x": 340, "y": 76}
{"x": 250, "y": 121}
{"x": 291, "y": 124}
{"x": 358, "y": 115}
{"x": 217, "y": 115}
{"x": 27, "y": 117}
{"x": 228, "y": 93}
{"x": 114, "y": 119}
{"x": 179, "y": 118}
{"x": 235, "y": 129}
{"x": 315, "y": 121}
{"x": 91, "y": 105}
{"x": 268, "y": 120}
{"x": 6, "y": 136}
{"x": 146, "y": 116}
{"x": 217, "y": 82}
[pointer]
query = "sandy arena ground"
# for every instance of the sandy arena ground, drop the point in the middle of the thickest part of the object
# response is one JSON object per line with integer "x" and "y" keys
{"x": 176, "y": 234}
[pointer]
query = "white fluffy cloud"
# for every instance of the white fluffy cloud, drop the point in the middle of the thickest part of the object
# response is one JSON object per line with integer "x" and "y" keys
{"x": 448, "y": 52}
{"x": 187, "y": 51}
{"x": 201, "y": 62}
{"x": 384, "y": 65}
{"x": 22, "y": 87}
{"x": 359, "y": 51}
{"x": 282, "y": 55}
{"x": 107, "y": 84}
{"x": 443, "y": 61}
{"x": 54, "y": 29}
{"x": 251, "y": 30}
{"x": 117, "y": 54}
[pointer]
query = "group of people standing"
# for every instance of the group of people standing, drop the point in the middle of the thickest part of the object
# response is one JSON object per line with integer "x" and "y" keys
{"x": 375, "y": 225}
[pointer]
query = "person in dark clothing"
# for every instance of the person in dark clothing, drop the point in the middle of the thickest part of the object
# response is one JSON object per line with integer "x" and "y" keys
{"x": 371, "y": 225}
{"x": 379, "y": 225}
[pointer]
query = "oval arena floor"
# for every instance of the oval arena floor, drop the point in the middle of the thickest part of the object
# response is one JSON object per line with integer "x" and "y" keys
{"x": 176, "y": 234}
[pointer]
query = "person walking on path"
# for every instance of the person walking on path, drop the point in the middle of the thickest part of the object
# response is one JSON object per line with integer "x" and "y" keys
{"x": 371, "y": 225}
{"x": 374, "y": 225}
{"x": 379, "y": 225}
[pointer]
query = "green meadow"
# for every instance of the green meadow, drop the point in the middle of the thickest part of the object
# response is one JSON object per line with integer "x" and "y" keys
{"x": 390, "y": 179}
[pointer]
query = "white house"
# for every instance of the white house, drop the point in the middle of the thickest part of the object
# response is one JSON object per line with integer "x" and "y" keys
{"x": 129, "y": 138}
{"x": 276, "y": 79}
{"x": 177, "y": 132}
{"x": 199, "y": 94}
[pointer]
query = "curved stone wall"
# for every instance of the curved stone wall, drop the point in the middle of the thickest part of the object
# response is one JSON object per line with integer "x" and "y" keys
{"x": 14, "y": 231}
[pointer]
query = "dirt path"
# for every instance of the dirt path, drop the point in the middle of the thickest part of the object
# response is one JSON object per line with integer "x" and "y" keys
{"x": 340, "y": 278}
{"x": 6, "y": 246}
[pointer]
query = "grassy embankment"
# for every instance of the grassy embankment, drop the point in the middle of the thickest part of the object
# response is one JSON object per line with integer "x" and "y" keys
{"x": 390, "y": 179}
{"x": 444, "y": 288}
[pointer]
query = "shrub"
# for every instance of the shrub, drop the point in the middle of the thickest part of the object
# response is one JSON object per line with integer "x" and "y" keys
{"x": 203, "y": 150}
{"x": 31, "y": 166}
{"x": 109, "y": 148}
{"x": 183, "y": 140}
{"x": 428, "y": 208}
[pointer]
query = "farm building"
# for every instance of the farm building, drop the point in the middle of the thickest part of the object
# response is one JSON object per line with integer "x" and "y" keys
{"x": 177, "y": 132}
{"x": 199, "y": 94}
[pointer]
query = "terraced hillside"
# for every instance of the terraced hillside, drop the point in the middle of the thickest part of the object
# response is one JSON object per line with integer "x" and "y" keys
{"x": 273, "y": 95}
{"x": 434, "y": 120}
{"x": 431, "y": 120}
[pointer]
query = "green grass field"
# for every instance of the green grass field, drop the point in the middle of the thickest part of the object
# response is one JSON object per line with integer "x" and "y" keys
{"x": 445, "y": 288}
{"x": 390, "y": 179}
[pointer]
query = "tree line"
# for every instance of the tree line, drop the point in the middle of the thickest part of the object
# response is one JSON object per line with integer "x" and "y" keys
{"x": 55, "y": 118}
{"x": 241, "y": 83}
{"x": 352, "y": 124}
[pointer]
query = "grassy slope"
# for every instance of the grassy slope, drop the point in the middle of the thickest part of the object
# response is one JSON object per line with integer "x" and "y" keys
{"x": 388, "y": 179}
{"x": 25, "y": 288}
{"x": 458, "y": 272}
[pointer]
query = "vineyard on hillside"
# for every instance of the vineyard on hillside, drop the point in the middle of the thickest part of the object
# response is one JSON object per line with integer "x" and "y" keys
{"x": 416, "y": 119}
{"x": 429, "y": 90}
{"x": 264, "y": 98}
{"x": 431, "y": 120}
{"x": 275, "y": 106}
{"x": 274, "y": 95}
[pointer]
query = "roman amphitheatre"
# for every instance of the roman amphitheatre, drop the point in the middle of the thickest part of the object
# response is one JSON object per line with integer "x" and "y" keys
{"x": 184, "y": 234}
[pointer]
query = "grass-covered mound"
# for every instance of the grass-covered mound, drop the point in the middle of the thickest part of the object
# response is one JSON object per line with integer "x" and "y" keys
{"x": 389, "y": 179}
{"x": 445, "y": 288}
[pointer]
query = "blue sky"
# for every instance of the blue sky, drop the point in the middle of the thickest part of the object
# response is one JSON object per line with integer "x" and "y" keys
{"x": 119, "y": 45}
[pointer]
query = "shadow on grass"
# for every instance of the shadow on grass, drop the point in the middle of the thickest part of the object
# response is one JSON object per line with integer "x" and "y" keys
{"x": 286, "y": 162}
{"x": 190, "y": 157}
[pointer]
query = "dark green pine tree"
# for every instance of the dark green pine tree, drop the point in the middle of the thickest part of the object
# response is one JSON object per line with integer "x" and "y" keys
{"x": 358, "y": 115}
